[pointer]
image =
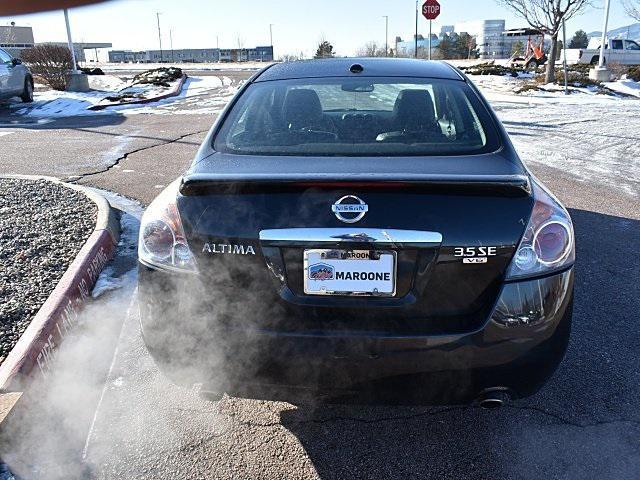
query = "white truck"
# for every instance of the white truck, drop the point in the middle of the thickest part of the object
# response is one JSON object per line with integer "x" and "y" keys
{"x": 622, "y": 51}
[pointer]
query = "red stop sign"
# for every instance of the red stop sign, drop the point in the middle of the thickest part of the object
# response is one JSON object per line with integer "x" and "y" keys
{"x": 431, "y": 9}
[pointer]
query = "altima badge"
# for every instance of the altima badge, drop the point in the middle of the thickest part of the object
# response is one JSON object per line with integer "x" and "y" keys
{"x": 227, "y": 248}
{"x": 354, "y": 208}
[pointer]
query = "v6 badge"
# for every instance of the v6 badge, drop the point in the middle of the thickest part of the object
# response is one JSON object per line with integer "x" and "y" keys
{"x": 474, "y": 254}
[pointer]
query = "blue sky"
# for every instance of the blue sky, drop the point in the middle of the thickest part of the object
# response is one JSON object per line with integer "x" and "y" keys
{"x": 298, "y": 25}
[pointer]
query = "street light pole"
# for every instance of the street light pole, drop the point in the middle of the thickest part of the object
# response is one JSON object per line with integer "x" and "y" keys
{"x": 173, "y": 58}
{"x": 415, "y": 38}
{"x": 386, "y": 35}
{"x": 159, "y": 36}
{"x": 273, "y": 55}
{"x": 70, "y": 42}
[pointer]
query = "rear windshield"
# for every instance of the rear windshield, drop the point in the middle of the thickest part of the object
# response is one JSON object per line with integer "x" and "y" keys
{"x": 358, "y": 117}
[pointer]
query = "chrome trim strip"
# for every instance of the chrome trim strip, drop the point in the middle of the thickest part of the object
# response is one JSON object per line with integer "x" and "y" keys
{"x": 342, "y": 235}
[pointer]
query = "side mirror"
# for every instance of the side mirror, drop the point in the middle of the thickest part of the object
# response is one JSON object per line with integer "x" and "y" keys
{"x": 16, "y": 61}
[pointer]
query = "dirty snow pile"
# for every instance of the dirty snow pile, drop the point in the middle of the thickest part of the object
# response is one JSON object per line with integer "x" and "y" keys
{"x": 206, "y": 94}
{"x": 43, "y": 225}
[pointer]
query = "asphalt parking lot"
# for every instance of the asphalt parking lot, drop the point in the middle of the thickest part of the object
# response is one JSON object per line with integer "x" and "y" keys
{"x": 109, "y": 413}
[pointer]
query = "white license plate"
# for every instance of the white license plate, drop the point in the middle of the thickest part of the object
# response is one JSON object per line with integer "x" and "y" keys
{"x": 349, "y": 272}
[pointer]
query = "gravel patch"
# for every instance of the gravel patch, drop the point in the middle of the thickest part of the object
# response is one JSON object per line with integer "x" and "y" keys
{"x": 43, "y": 225}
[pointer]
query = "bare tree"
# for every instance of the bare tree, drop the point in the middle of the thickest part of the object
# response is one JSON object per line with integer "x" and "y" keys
{"x": 240, "y": 41}
{"x": 50, "y": 62}
{"x": 291, "y": 57}
{"x": 632, "y": 7}
{"x": 371, "y": 49}
{"x": 547, "y": 16}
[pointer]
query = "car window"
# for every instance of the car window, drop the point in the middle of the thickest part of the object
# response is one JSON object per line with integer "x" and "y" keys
{"x": 616, "y": 44}
{"x": 632, "y": 45}
{"x": 4, "y": 57}
{"x": 358, "y": 117}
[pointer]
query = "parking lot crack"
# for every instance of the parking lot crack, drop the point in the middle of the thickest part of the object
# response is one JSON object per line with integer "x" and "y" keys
{"x": 343, "y": 418}
{"x": 568, "y": 422}
{"x": 117, "y": 161}
{"x": 431, "y": 413}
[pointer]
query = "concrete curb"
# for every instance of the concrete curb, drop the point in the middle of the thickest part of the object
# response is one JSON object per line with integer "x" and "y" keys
{"x": 59, "y": 312}
{"x": 175, "y": 92}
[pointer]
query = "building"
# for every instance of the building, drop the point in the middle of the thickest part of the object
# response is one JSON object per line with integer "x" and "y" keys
{"x": 127, "y": 56}
{"x": 447, "y": 30}
{"x": 194, "y": 55}
{"x": 14, "y": 39}
{"x": 81, "y": 48}
{"x": 491, "y": 39}
{"x": 489, "y": 36}
{"x": 407, "y": 48}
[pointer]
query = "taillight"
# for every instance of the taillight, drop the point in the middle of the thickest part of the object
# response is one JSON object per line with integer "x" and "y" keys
{"x": 548, "y": 241}
{"x": 162, "y": 242}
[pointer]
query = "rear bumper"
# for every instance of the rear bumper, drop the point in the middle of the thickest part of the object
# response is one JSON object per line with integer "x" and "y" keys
{"x": 517, "y": 349}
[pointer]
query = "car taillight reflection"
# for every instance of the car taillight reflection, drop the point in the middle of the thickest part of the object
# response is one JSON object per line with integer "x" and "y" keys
{"x": 552, "y": 242}
{"x": 158, "y": 239}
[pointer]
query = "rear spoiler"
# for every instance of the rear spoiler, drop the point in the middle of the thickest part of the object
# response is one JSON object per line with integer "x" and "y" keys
{"x": 204, "y": 184}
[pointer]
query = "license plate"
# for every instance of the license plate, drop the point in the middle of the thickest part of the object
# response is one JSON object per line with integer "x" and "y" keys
{"x": 349, "y": 272}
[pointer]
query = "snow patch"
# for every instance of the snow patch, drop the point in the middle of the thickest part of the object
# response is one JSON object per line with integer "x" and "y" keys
{"x": 51, "y": 103}
{"x": 106, "y": 83}
{"x": 129, "y": 226}
{"x": 625, "y": 86}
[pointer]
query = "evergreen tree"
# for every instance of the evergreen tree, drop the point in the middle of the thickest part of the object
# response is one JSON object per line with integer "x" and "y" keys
{"x": 466, "y": 46}
{"x": 447, "y": 47}
{"x": 325, "y": 50}
{"x": 579, "y": 40}
{"x": 517, "y": 48}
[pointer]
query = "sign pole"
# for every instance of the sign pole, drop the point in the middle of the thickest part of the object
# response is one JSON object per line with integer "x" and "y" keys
{"x": 415, "y": 37}
{"x": 429, "y": 40}
{"x": 430, "y": 10}
{"x": 564, "y": 59}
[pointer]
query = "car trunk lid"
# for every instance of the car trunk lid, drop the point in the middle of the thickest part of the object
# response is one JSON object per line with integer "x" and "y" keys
{"x": 430, "y": 222}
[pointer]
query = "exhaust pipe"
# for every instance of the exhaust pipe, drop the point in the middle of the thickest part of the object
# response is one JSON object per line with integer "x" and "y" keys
{"x": 492, "y": 398}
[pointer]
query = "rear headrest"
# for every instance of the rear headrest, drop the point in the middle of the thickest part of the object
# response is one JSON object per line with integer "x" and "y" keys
{"x": 301, "y": 107}
{"x": 414, "y": 107}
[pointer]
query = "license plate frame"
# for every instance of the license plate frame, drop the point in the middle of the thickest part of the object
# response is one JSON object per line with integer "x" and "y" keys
{"x": 332, "y": 255}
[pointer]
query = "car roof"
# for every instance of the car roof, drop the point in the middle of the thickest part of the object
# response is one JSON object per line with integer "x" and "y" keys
{"x": 371, "y": 67}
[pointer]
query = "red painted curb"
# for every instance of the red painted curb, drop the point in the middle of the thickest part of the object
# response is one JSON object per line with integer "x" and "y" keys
{"x": 172, "y": 93}
{"x": 58, "y": 314}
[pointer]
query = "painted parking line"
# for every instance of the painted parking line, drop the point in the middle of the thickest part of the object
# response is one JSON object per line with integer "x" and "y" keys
{"x": 109, "y": 379}
{"x": 25, "y": 122}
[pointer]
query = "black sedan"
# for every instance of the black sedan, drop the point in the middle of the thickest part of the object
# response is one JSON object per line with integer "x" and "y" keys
{"x": 358, "y": 230}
